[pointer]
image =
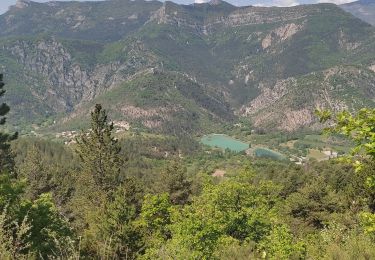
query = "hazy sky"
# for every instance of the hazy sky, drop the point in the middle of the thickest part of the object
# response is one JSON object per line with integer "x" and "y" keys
{"x": 4, "y": 4}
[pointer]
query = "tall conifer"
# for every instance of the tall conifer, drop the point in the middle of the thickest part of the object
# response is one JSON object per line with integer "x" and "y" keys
{"x": 99, "y": 151}
{"x": 6, "y": 157}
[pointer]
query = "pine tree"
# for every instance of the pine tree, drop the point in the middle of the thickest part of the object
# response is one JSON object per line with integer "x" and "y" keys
{"x": 38, "y": 176}
{"x": 175, "y": 183}
{"x": 99, "y": 151}
{"x": 6, "y": 157}
{"x": 119, "y": 223}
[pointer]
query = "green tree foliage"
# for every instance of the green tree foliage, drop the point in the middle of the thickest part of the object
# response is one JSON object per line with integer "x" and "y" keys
{"x": 119, "y": 222}
{"x": 95, "y": 181}
{"x": 48, "y": 229}
{"x": 30, "y": 229}
{"x": 105, "y": 203}
{"x": 156, "y": 214}
{"x": 109, "y": 223}
{"x": 38, "y": 178}
{"x": 359, "y": 128}
{"x": 234, "y": 210}
{"x": 99, "y": 151}
{"x": 313, "y": 204}
{"x": 154, "y": 221}
{"x": 12, "y": 235}
{"x": 280, "y": 244}
{"x": 173, "y": 180}
{"x": 10, "y": 191}
{"x": 337, "y": 241}
{"x": 259, "y": 210}
{"x": 46, "y": 166}
{"x": 6, "y": 157}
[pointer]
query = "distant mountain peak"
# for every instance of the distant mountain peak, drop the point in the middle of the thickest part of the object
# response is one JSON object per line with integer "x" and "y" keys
{"x": 22, "y": 3}
{"x": 216, "y": 2}
{"x": 360, "y": 2}
{"x": 212, "y": 2}
{"x": 365, "y": 2}
{"x": 363, "y": 9}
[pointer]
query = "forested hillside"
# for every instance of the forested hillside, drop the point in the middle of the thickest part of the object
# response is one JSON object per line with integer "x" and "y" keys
{"x": 60, "y": 57}
{"x": 138, "y": 198}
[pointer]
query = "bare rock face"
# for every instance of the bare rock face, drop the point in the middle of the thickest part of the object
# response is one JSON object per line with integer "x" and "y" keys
{"x": 261, "y": 15}
{"x": 172, "y": 14}
{"x": 140, "y": 113}
{"x": 287, "y": 120}
{"x": 346, "y": 44}
{"x": 269, "y": 96}
{"x": 68, "y": 81}
{"x": 263, "y": 109}
{"x": 289, "y": 104}
{"x": 295, "y": 119}
{"x": 281, "y": 34}
{"x": 22, "y": 3}
{"x": 151, "y": 118}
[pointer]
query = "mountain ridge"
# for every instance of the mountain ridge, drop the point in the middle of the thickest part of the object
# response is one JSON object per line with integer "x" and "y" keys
{"x": 234, "y": 54}
{"x": 363, "y": 9}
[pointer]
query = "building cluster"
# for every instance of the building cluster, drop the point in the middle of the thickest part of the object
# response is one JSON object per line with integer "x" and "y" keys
{"x": 331, "y": 154}
{"x": 69, "y": 137}
{"x": 299, "y": 160}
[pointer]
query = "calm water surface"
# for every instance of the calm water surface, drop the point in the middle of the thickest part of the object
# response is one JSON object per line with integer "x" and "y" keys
{"x": 224, "y": 142}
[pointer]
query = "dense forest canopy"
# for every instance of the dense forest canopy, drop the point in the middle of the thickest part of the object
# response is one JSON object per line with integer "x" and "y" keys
{"x": 109, "y": 198}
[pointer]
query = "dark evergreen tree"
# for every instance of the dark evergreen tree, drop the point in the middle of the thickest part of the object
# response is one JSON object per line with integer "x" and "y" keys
{"x": 37, "y": 174}
{"x": 175, "y": 183}
{"x": 99, "y": 151}
{"x": 120, "y": 221}
{"x": 6, "y": 157}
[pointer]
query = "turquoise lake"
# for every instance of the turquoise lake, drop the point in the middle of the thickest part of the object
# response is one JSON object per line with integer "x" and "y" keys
{"x": 224, "y": 142}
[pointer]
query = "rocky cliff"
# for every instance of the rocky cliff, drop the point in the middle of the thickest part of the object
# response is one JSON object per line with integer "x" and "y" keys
{"x": 267, "y": 64}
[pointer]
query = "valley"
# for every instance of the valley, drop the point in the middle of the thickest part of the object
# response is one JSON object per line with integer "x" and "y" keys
{"x": 134, "y": 129}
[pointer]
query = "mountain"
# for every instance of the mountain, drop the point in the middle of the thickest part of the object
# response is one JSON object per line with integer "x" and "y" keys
{"x": 163, "y": 65}
{"x": 290, "y": 104}
{"x": 363, "y": 9}
{"x": 167, "y": 102}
